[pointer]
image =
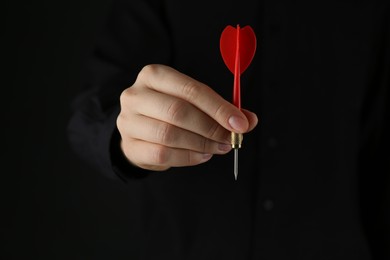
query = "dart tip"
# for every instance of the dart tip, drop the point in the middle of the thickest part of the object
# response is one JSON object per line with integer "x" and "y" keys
{"x": 235, "y": 163}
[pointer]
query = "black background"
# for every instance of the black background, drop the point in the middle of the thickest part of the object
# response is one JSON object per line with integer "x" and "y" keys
{"x": 54, "y": 206}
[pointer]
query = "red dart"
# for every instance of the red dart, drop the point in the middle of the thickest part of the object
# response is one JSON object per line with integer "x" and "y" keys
{"x": 238, "y": 47}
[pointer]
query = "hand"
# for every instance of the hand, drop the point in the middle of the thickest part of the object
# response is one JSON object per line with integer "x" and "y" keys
{"x": 168, "y": 119}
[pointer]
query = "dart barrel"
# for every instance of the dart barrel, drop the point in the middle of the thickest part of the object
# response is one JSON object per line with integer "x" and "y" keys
{"x": 236, "y": 140}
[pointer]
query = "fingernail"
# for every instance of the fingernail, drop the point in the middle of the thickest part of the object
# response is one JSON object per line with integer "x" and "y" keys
{"x": 237, "y": 123}
{"x": 224, "y": 147}
{"x": 206, "y": 157}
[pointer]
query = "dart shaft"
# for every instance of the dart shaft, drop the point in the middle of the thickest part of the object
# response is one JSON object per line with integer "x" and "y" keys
{"x": 237, "y": 73}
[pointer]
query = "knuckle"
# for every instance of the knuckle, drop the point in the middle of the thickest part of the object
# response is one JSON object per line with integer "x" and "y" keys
{"x": 120, "y": 122}
{"x": 126, "y": 144}
{"x": 190, "y": 90}
{"x": 165, "y": 134}
{"x": 205, "y": 145}
{"x": 192, "y": 158}
{"x": 125, "y": 95}
{"x": 160, "y": 155}
{"x": 213, "y": 131}
{"x": 177, "y": 110}
{"x": 220, "y": 111}
{"x": 146, "y": 71}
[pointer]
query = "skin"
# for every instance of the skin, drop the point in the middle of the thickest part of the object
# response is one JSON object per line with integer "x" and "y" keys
{"x": 169, "y": 119}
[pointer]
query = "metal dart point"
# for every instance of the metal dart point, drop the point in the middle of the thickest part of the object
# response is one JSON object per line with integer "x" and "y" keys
{"x": 236, "y": 141}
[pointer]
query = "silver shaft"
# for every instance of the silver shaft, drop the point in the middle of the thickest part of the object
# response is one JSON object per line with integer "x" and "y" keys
{"x": 235, "y": 164}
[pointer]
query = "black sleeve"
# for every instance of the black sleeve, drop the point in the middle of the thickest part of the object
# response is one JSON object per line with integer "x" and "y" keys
{"x": 135, "y": 35}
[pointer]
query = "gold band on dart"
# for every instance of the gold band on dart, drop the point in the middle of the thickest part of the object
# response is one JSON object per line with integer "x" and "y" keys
{"x": 236, "y": 140}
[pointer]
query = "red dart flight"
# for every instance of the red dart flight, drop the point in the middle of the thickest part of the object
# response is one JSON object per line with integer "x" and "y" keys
{"x": 238, "y": 47}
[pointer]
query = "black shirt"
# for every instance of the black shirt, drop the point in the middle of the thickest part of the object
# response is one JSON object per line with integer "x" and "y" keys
{"x": 314, "y": 175}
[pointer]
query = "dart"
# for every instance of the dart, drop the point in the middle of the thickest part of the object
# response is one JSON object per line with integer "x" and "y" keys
{"x": 238, "y": 47}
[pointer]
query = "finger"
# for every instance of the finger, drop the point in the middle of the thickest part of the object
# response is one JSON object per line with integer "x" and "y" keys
{"x": 159, "y": 132}
{"x": 158, "y": 157}
{"x": 167, "y": 80}
{"x": 180, "y": 113}
{"x": 252, "y": 119}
